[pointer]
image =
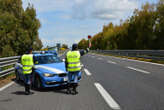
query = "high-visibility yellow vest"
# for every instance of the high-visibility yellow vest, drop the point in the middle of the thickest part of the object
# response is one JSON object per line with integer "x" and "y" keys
{"x": 27, "y": 63}
{"x": 73, "y": 60}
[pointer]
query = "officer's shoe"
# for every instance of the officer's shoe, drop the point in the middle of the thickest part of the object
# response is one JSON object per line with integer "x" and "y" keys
{"x": 68, "y": 90}
{"x": 27, "y": 93}
{"x": 74, "y": 91}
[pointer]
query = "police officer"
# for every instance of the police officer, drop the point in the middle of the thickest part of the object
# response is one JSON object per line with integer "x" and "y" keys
{"x": 73, "y": 66}
{"x": 27, "y": 63}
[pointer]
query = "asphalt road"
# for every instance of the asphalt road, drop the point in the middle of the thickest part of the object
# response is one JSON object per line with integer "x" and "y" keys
{"x": 108, "y": 83}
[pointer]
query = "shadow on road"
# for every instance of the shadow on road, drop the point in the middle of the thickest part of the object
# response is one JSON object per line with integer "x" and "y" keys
{"x": 21, "y": 93}
{"x": 60, "y": 89}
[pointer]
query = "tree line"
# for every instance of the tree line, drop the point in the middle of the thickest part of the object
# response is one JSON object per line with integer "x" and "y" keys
{"x": 143, "y": 30}
{"x": 18, "y": 28}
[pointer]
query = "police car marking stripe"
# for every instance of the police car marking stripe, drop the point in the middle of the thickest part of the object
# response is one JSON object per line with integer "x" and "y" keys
{"x": 50, "y": 69}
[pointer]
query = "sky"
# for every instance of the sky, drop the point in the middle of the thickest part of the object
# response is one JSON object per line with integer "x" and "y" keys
{"x": 68, "y": 21}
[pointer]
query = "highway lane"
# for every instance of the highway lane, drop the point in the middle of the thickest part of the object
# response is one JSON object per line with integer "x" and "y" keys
{"x": 107, "y": 84}
{"x": 133, "y": 90}
{"x": 13, "y": 98}
{"x": 156, "y": 70}
{"x": 89, "y": 98}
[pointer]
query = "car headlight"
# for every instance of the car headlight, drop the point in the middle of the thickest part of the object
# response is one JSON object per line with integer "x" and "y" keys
{"x": 48, "y": 75}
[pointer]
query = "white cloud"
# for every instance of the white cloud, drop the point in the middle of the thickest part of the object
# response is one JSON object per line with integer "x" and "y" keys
{"x": 84, "y": 9}
{"x": 103, "y": 9}
{"x": 63, "y": 11}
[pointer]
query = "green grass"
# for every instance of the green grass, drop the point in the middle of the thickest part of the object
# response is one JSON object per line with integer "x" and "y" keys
{"x": 6, "y": 79}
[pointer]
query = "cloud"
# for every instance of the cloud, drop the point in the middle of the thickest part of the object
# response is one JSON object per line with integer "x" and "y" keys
{"x": 67, "y": 21}
{"x": 86, "y": 9}
{"x": 102, "y": 9}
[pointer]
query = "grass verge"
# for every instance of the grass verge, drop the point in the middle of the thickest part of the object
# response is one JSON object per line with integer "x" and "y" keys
{"x": 6, "y": 79}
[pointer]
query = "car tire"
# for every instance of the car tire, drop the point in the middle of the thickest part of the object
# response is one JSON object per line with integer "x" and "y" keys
{"x": 37, "y": 83}
{"x": 17, "y": 76}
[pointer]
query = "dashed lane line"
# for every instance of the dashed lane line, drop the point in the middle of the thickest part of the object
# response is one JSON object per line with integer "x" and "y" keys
{"x": 6, "y": 86}
{"x": 87, "y": 72}
{"x": 99, "y": 58}
{"x": 139, "y": 70}
{"x": 111, "y": 62}
{"x": 107, "y": 97}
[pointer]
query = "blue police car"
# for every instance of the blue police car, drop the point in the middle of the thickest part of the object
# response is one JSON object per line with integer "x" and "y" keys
{"x": 49, "y": 71}
{"x": 52, "y": 52}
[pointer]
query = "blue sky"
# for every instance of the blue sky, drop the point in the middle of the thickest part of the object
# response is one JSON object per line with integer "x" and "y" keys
{"x": 68, "y": 21}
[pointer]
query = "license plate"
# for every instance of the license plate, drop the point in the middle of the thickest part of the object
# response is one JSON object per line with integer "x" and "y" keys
{"x": 65, "y": 79}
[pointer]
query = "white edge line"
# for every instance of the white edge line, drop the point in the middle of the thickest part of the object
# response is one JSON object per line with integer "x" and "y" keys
{"x": 108, "y": 98}
{"x": 6, "y": 86}
{"x": 87, "y": 72}
{"x": 139, "y": 70}
{"x": 138, "y": 61}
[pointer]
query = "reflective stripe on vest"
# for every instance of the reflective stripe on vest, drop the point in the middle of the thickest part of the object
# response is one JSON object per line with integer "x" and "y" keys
{"x": 73, "y": 59}
{"x": 74, "y": 67}
{"x": 27, "y": 65}
{"x": 27, "y": 62}
{"x": 74, "y": 63}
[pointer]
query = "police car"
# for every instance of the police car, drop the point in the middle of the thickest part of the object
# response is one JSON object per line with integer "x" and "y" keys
{"x": 49, "y": 71}
{"x": 52, "y": 52}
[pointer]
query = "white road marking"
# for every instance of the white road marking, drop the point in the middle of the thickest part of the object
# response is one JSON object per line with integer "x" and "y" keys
{"x": 111, "y": 62}
{"x": 87, "y": 72}
{"x": 108, "y": 98}
{"x": 6, "y": 86}
{"x": 99, "y": 58}
{"x": 139, "y": 70}
{"x": 145, "y": 62}
{"x": 137, "y": 61}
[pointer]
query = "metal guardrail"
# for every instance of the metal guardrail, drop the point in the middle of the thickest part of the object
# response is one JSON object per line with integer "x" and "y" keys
{"x": 7, "y": 61}
{"x": 148, "y": 54}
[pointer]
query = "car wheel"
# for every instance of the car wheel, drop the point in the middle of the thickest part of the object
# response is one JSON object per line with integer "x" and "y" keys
{"x": 17, "y": 76}
{"x": 37, "y": 83}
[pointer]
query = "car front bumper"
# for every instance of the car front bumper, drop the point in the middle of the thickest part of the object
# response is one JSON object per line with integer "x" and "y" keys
{"x": 54, "y": 81}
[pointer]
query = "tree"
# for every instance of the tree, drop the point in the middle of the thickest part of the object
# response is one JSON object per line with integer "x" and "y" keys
{"x": 65, "y": 46}
{"x": 18, "y": 28}
{"x": 83, "y": 44}
{"x": 143, "y": 30}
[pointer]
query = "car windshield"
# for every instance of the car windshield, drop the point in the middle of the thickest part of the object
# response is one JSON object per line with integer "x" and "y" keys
{"x": 46, "y": 59}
